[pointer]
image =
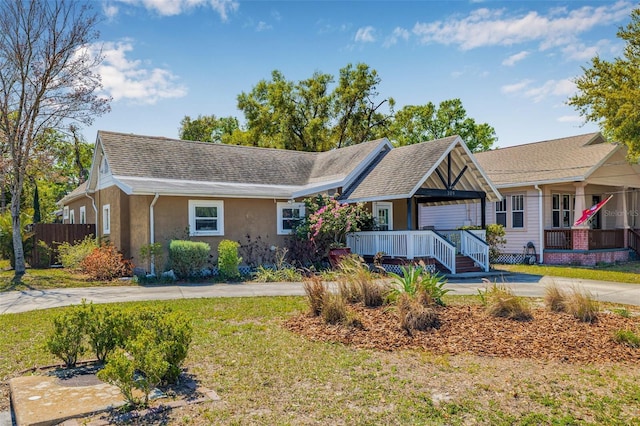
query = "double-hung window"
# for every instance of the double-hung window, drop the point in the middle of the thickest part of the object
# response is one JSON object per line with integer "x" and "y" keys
{"x": 289, "y": 214}
{"x": 83, "y": 215}
{"x": 501, "y": 212}
{"x": 206, "y": 217}
{"x": 517, "y": 211}
{"x": 72, "y": 216}
{"x": 106, "y": 219}
{"x": 562, "y": 210}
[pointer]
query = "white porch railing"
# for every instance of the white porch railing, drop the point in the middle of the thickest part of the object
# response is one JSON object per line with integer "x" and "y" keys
{"x": 407, "y": 244}
{"x": 441, "y": 245}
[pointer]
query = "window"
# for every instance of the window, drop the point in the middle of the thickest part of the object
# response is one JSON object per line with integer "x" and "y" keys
{"x": 383, "y": 216}
{"x": 106, "y": 219}
{"x": 501, "y": 212}
{"x": 83, "y": 215}
{"x": 65, "y": 213}
{"x": 562, "y": 210}
{"x": 72, "y": 216}
{"x": 517, "y": 211}
{"x": 289, "y": 214}
{"x": 206, "y": 217}
{"x": 104, "y": 166}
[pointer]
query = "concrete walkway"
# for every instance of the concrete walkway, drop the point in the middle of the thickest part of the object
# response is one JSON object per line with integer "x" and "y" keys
{"x": 523, "y": 285}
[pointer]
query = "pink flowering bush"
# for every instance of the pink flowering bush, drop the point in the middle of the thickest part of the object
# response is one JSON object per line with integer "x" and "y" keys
{"x": 332, "y": 220}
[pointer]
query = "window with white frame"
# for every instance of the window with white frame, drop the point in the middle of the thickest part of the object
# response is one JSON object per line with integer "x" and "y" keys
{"x": 72, "y": 216}
{"x": 289, "y": 214}
{"x": 65, "y": 213}
{"x": 106, "y": 219}
{"x": 501, "y": 212}
{"x": 562, "y": 210}
{"x": 517, "y": 211}
{"x": 383, "y": 215}
{"x": 206, "y": 217}
{"x": 83, "y": 215}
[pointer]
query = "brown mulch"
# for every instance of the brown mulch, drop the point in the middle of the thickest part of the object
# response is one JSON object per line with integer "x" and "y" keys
{"x": 469, "y": 330}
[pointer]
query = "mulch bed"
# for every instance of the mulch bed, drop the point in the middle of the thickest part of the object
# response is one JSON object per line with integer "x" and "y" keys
{"x": 469, "y": 330}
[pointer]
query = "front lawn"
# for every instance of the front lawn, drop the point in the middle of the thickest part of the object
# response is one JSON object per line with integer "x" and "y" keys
{"x": 266, "y": 374}
{"x": 628, "y": 272}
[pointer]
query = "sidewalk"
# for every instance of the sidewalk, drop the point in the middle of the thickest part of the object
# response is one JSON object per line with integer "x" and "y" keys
{"x": 522, "y": 285}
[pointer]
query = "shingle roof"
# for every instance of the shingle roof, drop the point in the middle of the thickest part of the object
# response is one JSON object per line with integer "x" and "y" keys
{"x": 402, "y": 170}
{"x": 136, "y": 157}
{"x": 76, "y": 193}
{"x": 566, "y": 159}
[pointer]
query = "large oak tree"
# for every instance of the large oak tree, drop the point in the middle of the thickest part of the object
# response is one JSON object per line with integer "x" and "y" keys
{"x": 47, "y": 79}
{"x": 609, "y": 92}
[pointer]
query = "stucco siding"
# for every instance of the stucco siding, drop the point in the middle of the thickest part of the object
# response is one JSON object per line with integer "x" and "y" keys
{"x": 75, "y": 207}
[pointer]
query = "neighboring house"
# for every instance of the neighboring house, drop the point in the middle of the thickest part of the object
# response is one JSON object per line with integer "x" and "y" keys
{"x": 546, "y": 186}
{"x": 145, "y": 189}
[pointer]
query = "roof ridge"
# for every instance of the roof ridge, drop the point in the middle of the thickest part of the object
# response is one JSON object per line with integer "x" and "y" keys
{"x": 538, "y": 142}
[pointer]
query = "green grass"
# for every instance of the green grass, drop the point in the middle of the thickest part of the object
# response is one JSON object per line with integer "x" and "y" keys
{"x": 628, "y": 272}
{"x": 265, "y": 374}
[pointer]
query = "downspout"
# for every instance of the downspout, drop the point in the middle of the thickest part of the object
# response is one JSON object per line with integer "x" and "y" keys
{"x": 541, "y": 222}
{"x": 152, "y": 232}
{"x": 95, "y": 211}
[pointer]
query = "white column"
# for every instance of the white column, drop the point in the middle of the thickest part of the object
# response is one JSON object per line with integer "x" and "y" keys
{"x": 581, "y": 205}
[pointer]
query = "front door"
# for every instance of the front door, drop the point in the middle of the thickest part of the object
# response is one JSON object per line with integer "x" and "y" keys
{"x": 383, "y": 216}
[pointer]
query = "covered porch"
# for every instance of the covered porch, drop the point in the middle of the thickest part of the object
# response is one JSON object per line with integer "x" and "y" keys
{"x": 441, "y": 172}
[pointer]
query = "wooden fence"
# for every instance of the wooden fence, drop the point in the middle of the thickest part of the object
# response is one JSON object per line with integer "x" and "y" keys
{"x": 54, "y": 234}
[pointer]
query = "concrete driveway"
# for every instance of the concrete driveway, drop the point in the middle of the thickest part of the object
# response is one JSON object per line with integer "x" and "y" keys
{"x": 522, "y": 285}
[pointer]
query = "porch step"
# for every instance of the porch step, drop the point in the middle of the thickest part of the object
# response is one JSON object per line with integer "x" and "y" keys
{"x": 464, "y": 264}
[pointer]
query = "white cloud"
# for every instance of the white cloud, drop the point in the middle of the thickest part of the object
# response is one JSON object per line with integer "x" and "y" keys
{"x": 263, "y": 26}
{"x": 177, "y": 7}
{"x": 570, "y": 119}
{"x": 110, "y": 10}
{"x": 365, "y": 35}
{"x": 581, "y": 52}
{"x": 487, "y": 27}
{"x": 511, "y": 60}
{"x": 516, "y": 87}
{"x": 126, "y": 79}
{"x": 397, "y": 34}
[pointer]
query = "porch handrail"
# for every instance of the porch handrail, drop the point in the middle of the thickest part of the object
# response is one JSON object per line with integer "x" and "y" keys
{"x": 473, "y": 247}
{"x": 408, "y": 244}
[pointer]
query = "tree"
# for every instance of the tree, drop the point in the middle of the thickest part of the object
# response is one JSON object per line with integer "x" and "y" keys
{"x": 421, "y": 123}
{"x": 308, "y": 116}
{"x": 609, "y": 92}
{"x": 46, "y": 79}
{"x": 208, "y": 128}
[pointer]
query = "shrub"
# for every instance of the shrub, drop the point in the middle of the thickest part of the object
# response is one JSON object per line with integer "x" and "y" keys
{"x": 417, "y": 283}
{"x": 187, "y": 258}
{"x": 627, "y": 337}
{"x": 120, "y": 371}
{"x": 104, "y": 263}
{"x": 415, "y": 315}
{"x": 582, "y": 305}
{"x": 152, "y": 253}
{"x": 228, "y": 260}
{"x": 496, "y": 240}
{"x": 66, "y": 341}
{"x": 334, "y": 310}
{"x": 72, "y": 255}
{"x": 431, "y": 289}
{"x": 316, "y": 293}
{"x": 106, "y": 329}
{"x": 499, "y": 301}
{"x": 555, "y": 299}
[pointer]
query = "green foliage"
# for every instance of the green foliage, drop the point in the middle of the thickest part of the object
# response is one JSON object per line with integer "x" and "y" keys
{"x": 496, "y": 240}
{"x": 104, "y": 263}
{"x": 608, "y": 91}
{"x": 417, "y": 283}
{"x": 228, "y": 260}
{"x": 71, "y": 256}
{"x": 106, "y": 329}
{"x": 120, "y": 372}
{"x": 499, "y": 301}
{"x": 148, "y": 359}
{"x": 627, "y": 337}
{"x": 208, "y": 128}
{"x": 67, "y": 338}
{"x": 152, "y": 252}
{"x": 45, "y": 255}
{"x": 308, "y": 116}
{"x": 187, "y": 258}
{"x": 420, "y": 123}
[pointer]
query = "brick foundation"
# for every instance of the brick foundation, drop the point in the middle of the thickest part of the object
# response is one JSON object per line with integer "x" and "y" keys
{"x": 585, "y": 257}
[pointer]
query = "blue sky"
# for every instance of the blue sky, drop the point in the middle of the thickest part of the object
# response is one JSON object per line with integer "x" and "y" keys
{"x": 510, "y": 62}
